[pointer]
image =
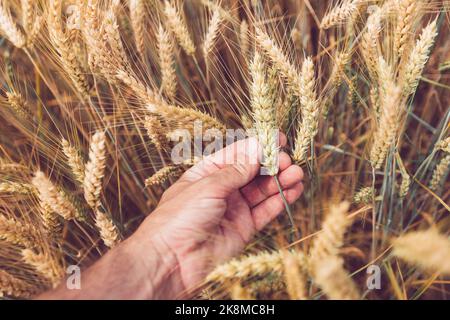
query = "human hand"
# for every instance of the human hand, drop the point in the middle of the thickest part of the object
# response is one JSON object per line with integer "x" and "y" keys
{"x": 216, "y": 207}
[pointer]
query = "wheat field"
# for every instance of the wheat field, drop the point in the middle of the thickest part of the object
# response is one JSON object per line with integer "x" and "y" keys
{"x": 93, "y": 91}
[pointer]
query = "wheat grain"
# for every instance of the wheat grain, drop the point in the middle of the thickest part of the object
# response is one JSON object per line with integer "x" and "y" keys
{"x": 45, "y": 265}
{"x": 95, "y": 169}
{"x": 429, "y": 250}
{"x": 418, "y": 58}
{"x": 108, "y": 230}
{"x": 53, "y": 199}
{"x": 15, "y": 287}
{"x": 339, "y": 14}
{"x": 254, "y": 265}
{"x": 74, "y": 160}
{"x": 9, "y": 28}
{"x": 264, "y": 115}
{"x": 179, "y": 28}
{"x": 212, "y": 33}
{"x": 443, "y": 145}
{"x": 166, "y": 63}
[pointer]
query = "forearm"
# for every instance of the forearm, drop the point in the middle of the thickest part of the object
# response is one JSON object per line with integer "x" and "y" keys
{"x": 135, "y": 269}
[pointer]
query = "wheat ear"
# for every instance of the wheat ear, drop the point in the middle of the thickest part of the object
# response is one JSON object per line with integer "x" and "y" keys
{"x": 166, "y": 63}
{"x": 294, "y": 277}
{"x": 212, "y": 33}
{"x": 45, "y": 265}
{"x": 108, "y": 230}
{"x": 53, "y": 199}
{"x": 179, "y": 28}
{"x": 330, "y": 275}
{"x": 244, "y": 40}
{"x": 418, "y": 58}
{"x": 391, "y": 113}
{"x": 238, "y": 292}
{"x": 155, "y": 132}
{"x": 15, "y": 287}
{"x": 264, "y": 115}
{"x": 137, "y": 18}
{"x": 339, "y": 14}
{"x": 18, "y": 104}
{"x": 370, "y": 42}
{"x": 440, "y": 173}
{"x": 310, "y": 112}
{"x": 66, "y": 53}
{"x": 364, "y": 195}
{"x": 162, "y": 175}
{"x": 254, "y": 265}
{"x": 429, "y": 250}
{"x": 9, "y": 28}
{"x": 326, "y": 267}
{"x": 17, "y": 187}
{"x": 406, "y": 11}
{"x": 280, "y": 61}
{"x": 74, "y": 160}
{"x": 95, "y": 169}
{"x": 17, "y": 232}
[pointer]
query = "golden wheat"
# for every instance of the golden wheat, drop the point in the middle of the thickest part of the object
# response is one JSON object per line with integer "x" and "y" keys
{"x": 179, "y": 28}
{"x": 95, "y": 169}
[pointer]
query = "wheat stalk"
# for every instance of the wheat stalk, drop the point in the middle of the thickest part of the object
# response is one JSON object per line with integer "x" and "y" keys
{"x": 418, "y": 58}
{"x": 53, "y": 199}
{"x": 429, "y": 250}
{"x": 137, "y": 18}
{"x": 254, "y": 265}
{"x": 179, "y": 28}
{"x": 95, "y": 169}
{"x": 74, "y": 160}
{"x": 9, "y": 28}
{"x": 166, "y": 63}
{"x": 108, "y": 230}
{"x": 15, "y": 287}
{"x": 16, "y": 232}
{"x": 212, "y": 33}
{"x": 264, "y": 115}
{"x": 339, "y": 14}
{"x": 45, "y": 265}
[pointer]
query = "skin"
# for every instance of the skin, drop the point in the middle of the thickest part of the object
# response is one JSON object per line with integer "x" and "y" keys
{"x": 205, "y": 218}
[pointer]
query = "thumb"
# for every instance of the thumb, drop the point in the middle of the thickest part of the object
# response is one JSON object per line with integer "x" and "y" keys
{"x": 230, "y": 178}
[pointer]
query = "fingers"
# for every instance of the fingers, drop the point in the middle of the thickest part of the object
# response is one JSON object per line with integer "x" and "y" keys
{"x": 243, "y": 150}
{"x": 267, "y": 210}
{"x": 228, "y": 179}
{"x": 265, "y": 186}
